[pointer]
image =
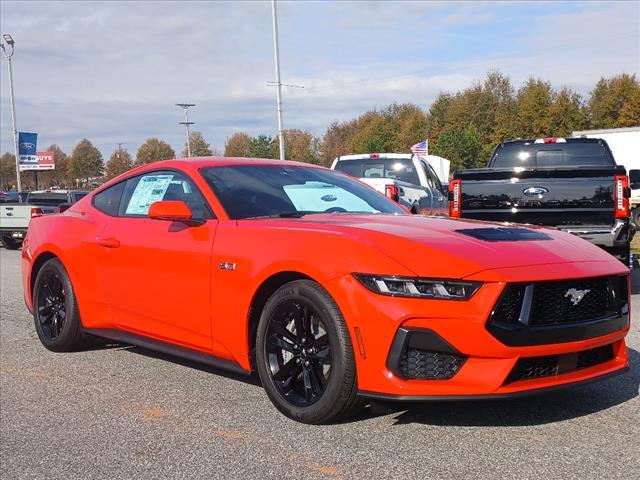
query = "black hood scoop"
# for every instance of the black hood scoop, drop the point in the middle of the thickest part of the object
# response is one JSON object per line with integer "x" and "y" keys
{"x": 504, "y": 234}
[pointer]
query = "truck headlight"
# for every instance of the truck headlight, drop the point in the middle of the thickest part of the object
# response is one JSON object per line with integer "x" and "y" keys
{"x": 417, "y": 287}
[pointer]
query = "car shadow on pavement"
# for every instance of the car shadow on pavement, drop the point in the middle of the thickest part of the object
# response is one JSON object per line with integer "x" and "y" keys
{"x": 535, "y": 410}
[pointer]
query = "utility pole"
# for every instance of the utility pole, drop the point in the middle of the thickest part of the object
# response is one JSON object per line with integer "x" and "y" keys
{"x": 186, "y": 123}
{"x": 11, "y": 43}
{"x": 119, "y": 149}
{"x": 276, "y": 54}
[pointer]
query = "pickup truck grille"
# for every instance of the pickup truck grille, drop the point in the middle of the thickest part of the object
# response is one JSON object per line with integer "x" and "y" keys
{"x": 542, "y": 313}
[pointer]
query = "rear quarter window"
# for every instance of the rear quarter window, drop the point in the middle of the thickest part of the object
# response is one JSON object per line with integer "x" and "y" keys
{"x": 108, "y": 200}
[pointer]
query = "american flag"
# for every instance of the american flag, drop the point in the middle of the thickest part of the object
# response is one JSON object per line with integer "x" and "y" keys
{"x": 421, "y": 148}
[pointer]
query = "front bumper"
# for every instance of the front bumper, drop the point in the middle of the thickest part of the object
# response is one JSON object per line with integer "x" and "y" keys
{"x": 488, "y": 363}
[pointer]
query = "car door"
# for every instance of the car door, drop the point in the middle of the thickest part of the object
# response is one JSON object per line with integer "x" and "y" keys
{"x": 156, "y": 274}
{"x": 439, "y": 204}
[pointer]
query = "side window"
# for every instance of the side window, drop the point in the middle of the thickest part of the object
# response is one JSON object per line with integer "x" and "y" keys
{"x": 437, "y": 184}
{"x": 427, "y": 173}
{"x": 141, "y": 191}
{"x": 108, "y": 200}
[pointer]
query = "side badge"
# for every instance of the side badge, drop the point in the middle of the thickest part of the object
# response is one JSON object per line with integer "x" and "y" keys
{"x": 227, "y": 266}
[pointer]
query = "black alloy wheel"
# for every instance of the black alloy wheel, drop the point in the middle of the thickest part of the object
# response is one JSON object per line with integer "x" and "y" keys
{"x": 51, "y": 305}
{"x": 55, "y": 310}
{"x": 298, "y": 352}
{"x": 304, "y": 355}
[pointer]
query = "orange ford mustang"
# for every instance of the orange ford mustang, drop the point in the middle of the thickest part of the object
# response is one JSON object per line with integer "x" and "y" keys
{"x": 332, "y": 292}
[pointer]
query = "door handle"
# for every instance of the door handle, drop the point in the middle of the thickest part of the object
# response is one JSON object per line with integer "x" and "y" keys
{"x": 109, "y": 242}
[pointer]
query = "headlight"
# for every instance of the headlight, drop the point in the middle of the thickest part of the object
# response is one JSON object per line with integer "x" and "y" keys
{"x": 417, "y": 287}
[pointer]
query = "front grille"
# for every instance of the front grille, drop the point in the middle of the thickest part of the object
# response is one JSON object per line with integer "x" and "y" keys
{"x": 539, "y": 367}
{"x": 562, "y": 302}
{"x": 427, "y": 365}
{"x": 552, "y": 301}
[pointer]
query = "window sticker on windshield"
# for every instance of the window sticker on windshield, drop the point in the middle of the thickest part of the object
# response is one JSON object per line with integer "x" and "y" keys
{"x": 150, "y": 189}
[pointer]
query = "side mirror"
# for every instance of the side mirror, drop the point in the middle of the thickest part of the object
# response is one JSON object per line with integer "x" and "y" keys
{"x": 173, "y": 210}
{"x": 634, "y": 179}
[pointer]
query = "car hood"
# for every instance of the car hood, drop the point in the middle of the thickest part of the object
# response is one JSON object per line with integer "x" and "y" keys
{"x": 435, "y": 246}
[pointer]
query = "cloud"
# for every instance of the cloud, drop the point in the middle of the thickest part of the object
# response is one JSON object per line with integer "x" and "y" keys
{"x": 113, "y": 71}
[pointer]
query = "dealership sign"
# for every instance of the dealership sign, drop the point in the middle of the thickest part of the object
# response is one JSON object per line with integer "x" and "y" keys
{"x": 30, "y": 159}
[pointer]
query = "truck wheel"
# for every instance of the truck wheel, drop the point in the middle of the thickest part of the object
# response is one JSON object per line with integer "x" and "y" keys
{"x": 635, "y": 217}
{"x": 9, "y": 243}
{"x": 624, "y": 255}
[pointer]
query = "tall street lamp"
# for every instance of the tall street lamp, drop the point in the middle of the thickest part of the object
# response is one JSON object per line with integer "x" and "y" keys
{"x": 186, "y": 123}
{"x": 276, "y": 55}
{"x": 8, "y": 55}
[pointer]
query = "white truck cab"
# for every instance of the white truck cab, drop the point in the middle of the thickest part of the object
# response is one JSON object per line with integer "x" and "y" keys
{"x": 407, "y": 179}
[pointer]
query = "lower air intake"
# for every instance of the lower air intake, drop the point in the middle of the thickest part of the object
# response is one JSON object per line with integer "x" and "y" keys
{"x": 426, "y": 365}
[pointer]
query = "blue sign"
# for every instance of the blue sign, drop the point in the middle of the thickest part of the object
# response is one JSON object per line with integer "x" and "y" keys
{"x": 27, "y": 145}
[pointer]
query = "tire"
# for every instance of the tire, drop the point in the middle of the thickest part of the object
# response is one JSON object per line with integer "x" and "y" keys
{"x": 311, "y": 380}
{"x": 635, "y": 217}
{"x": 10, "y": 244}
{"x": 55, "y": 310}
{"x": 623, "y": 254}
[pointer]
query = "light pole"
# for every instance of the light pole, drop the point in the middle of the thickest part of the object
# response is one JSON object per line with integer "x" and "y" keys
{"x": 11, "y": 43}
{"x": 276, "y": 54}
{"x": 186, "y": 123}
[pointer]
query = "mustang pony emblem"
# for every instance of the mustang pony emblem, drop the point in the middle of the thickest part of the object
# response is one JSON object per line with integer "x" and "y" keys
{"x": 576, "y": 295}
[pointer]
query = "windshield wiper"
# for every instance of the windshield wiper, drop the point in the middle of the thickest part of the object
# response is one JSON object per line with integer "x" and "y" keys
{"x": 279, "y": 215}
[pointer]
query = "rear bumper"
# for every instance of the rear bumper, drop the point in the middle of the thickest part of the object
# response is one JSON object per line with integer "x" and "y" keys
{"x": 17, "y": 233}
{"x": 618, "y": 235}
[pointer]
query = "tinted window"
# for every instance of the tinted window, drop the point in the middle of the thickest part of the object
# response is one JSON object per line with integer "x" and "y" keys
{"x": 78, "y": 196}
{"x": 551, "y": 154}
{"x": 47, "y": 198}
{"x": 433, "y": 177}
{"x": 247, "y": 191}
{"x": 141, "y": 191}
{"x": 399, "y": 168}
{"x": 108, "y": 200}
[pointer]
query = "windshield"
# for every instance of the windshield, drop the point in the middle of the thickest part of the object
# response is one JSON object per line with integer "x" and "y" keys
{"x": 398, "y": 168}
{"x": 551, "y": 155}
{"x": 249, "y": 191}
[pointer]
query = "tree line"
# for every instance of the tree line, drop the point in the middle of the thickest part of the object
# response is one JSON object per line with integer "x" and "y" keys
{"x": 463, "y": 126}
{"x": 85, "y": 166}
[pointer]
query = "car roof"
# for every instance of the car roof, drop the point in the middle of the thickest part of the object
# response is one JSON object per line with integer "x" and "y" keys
{"x": 200, "y": 162}
{"x": 558, "y": 140}
{"x": 373, "y": 156}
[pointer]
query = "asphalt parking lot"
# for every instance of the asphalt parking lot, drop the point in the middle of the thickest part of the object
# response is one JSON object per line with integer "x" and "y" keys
{"x": 123, "y": 412}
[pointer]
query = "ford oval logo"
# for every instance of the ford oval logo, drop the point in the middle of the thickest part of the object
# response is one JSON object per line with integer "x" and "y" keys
{"x": 535, "y": 191}
{"x": 329, "y": 198}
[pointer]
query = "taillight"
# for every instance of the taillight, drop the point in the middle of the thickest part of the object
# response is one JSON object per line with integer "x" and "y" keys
{"x": 36, "y": 211}
{"x": 621, "y": 196}
{"x": 391, "y": 191}
{"x": 455, "y": 200}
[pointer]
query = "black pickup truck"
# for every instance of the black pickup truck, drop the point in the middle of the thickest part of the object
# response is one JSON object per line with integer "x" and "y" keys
{"x": 572, "y": 184}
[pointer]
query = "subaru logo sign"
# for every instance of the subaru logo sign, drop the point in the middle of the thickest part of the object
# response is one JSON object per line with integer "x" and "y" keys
{"x": 535, "y": 191}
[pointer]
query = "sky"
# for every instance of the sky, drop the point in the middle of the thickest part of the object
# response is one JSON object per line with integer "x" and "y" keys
{"x": 113, "y": 71}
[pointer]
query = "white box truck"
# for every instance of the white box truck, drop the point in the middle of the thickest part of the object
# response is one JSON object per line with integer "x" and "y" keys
{"x": 625, "y": 146}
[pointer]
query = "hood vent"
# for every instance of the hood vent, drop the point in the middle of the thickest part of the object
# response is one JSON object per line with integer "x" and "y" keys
{"x": 504, "y": 234}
